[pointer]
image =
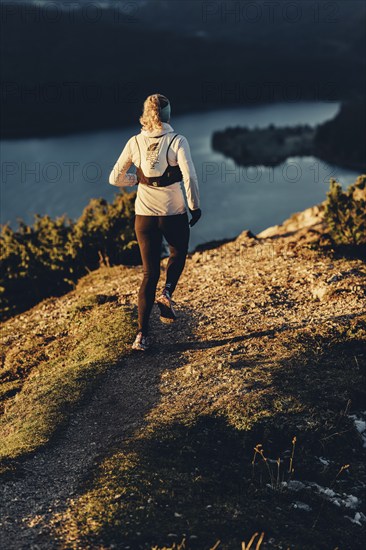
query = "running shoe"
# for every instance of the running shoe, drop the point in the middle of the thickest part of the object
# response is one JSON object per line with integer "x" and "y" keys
{"x": 167, "y": 311}
{"x": 141, "y": 343}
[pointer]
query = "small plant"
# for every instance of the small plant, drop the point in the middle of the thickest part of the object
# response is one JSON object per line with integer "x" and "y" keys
{"x": 345, "y": 212}
{"x": 244, "y": 546}
{"x": 274, "y": 476}
{"x": 249, "y": 545}
{"x": 291, "y": 469}
{"x": 175, "y": 546}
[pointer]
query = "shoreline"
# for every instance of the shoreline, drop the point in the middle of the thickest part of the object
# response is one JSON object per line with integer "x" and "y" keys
{"x": 194, "y": 108}
{"x": 339, "y": 141}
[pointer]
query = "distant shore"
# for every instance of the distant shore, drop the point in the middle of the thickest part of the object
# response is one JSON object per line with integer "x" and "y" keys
{"x": 340, "y": 141}
{"x": 268, "y": 146}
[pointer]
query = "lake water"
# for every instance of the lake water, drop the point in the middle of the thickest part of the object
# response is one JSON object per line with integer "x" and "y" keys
{"x": 60, "y": 175}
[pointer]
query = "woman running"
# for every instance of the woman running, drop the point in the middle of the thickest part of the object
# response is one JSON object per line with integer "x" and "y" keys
{"x": 163, "y": 160}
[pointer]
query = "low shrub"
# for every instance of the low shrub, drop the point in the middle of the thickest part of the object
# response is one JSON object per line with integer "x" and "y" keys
{"x": 345, "y": 212}
{"x": 49, "y": 257}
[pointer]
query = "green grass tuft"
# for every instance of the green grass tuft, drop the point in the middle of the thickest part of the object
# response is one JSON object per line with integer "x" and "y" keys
{"x": 48, "y": 374}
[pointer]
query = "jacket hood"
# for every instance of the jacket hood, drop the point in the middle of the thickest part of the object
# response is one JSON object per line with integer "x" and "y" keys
{"x": 155, "y": 133}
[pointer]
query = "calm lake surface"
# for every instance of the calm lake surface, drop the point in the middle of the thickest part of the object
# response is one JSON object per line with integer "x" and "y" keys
{"x": 60, "y": 175}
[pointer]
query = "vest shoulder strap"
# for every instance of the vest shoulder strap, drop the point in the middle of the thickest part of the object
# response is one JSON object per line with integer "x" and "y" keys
{"x": 167, "y": 151}
{"x": 138, "y": 147}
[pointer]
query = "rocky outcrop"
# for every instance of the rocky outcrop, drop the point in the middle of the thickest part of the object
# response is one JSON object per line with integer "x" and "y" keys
{"x": 310, "y": 218}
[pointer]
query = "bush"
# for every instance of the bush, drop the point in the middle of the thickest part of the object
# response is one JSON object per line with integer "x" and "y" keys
{"x": 345, "y": 212}
{"x": 49, "y": 257}
{"x": 105, "y": 233}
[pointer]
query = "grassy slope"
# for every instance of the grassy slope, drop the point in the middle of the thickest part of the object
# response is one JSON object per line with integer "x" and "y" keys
{"x": 189, "y": 474}
{"x": 52, "y": 355}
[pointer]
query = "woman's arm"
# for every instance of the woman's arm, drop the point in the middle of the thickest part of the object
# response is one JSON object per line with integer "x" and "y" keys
{"x": 119, "y": 176}
{"x": 190, "y": 180}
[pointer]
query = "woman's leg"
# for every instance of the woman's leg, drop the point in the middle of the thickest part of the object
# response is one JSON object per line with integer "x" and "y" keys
{"x": 176, "y": 230}
{"x": 149, "y": 238}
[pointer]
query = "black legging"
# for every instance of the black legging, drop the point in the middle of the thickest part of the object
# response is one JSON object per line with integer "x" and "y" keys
{"x": 149, "y": 232}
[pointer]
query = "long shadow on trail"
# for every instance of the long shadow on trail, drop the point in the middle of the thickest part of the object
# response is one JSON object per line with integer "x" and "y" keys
{"x": 184, "y": 346}
{"x": 198, "y": 477}
{"x": 196, "y": 480}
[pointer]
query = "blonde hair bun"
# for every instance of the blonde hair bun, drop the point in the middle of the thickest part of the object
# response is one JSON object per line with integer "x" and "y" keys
{"x": 150, "y": 119}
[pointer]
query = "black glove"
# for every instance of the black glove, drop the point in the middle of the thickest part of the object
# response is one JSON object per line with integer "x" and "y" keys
{"x": 196, "y": 214}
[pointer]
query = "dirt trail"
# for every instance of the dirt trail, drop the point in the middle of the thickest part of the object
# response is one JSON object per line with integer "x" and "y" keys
{"x": 232, "y": 299}
{"x": 115, "y": 410}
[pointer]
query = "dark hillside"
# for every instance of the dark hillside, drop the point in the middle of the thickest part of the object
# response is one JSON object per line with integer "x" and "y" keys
{"x": 73, "y": 73}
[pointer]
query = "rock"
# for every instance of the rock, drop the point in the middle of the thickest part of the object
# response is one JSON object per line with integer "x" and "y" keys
{"x": 301, "y": 220}
{"x": 321, "y": 292}
{"x": 245, "y": 235}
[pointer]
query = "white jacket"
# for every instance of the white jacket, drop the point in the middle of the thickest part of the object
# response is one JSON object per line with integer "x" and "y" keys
{"x": 159, "y": 201}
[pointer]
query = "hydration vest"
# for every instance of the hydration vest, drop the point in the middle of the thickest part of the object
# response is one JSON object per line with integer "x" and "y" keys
{"x": 154, "y": 167}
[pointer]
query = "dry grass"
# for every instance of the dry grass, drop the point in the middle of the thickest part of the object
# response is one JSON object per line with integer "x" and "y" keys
{"x": 216, "y": 546}
{"x": 48, "y": 367}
